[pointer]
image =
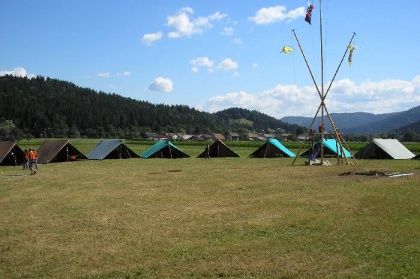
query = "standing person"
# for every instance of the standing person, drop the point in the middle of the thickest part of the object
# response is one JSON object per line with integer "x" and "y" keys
{"x": 26, "y": 159}
{"x": 31, "y": 161}
{"x": 35, "y": 158}
{"x": 207, "y": 151}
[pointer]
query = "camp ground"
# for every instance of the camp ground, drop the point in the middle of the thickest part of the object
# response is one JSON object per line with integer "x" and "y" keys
{"x": 111, "y": 149}
{"x": 272, "y": 148}
{"x": 58, "y": 151}
{"x": 331, "y": 149}
{"x": 10, "y": 153}
{"x": 164, "y": 149}
{"x": 218, "y": 149}
{"x": 384, "y": 149}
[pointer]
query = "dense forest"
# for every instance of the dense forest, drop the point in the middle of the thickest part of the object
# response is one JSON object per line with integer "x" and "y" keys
{"x": 45, "y": 107}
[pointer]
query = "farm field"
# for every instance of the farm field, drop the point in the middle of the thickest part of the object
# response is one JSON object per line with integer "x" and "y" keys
{"x": 217, "y": 218}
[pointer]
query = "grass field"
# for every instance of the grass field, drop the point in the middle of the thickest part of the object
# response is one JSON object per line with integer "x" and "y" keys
{"x": 217, "y": 218}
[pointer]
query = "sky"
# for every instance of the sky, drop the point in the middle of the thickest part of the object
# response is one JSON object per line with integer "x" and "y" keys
{"x": 217, "y": 54}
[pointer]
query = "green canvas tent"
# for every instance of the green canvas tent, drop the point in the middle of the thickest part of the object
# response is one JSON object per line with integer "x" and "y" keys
{"x": 164, "y": 149}
{"x": 111, "y": 149}
{"x": 384, "y": 149}
{"x": 10, "y": 154}
{"x": 218, "y": 149}
{"x": 272, "y": 148}
{"x": 331, "y": 149}
{"x": 58, "y": 151}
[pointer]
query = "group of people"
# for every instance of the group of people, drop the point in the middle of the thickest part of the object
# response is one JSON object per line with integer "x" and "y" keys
{"x": 30, "y": 160}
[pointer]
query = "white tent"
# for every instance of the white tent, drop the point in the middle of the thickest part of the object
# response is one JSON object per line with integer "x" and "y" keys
{"x": 384, "y": 149}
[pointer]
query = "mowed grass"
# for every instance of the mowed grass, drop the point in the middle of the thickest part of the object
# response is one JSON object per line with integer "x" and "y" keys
{"x": 217, "y": 218}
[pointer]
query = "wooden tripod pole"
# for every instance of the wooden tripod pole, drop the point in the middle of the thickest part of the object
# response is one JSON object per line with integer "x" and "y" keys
{"x": 323, "y": 94}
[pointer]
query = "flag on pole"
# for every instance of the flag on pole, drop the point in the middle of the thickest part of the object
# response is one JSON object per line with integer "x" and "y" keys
{"x": 351, "y": 48}
{"x": 309, "y": 13}
{"x": 287, "y": 49}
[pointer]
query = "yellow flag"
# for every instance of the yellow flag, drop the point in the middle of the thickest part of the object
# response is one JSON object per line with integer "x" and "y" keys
{"x": 287, "y": 49}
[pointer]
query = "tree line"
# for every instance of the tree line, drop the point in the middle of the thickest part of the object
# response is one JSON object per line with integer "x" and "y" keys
{"x": 45, "y": 107}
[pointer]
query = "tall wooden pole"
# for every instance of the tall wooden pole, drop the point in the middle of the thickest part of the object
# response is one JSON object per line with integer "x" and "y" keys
{"x": 322, "y": 87}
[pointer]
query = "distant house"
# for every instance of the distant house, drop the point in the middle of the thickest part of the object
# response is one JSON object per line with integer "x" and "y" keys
{"x": 232, "y": 136}
{"x": 269, "y": 136}
{"x": 198, "y": 137}
{"x": 172, "y": 136}
{"x": 284, "y": 137}
{"x": 218, "y": 137}
{"x": 186, "y": 137}
{"x": 163, "y": 137}
{"x": 180, "y": 136}
{"x": 250, "y": 136}
{"x": 302, "y": 137}
{"x": 208, "y": 137}
{"x": 151, "y": 136}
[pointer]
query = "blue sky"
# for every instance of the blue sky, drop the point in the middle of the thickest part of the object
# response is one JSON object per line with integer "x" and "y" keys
{"x": 212, "y": 55}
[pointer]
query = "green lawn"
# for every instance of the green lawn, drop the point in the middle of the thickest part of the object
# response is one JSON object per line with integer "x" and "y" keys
{"x": 217, "y": 218}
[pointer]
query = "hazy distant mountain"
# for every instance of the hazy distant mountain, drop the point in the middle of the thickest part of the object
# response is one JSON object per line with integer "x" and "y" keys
{"x": 413, "y": 127}
{"x": 362, "y": 122}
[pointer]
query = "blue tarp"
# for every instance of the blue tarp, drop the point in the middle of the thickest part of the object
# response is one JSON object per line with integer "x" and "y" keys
{"x": 163, "y": 149}
{"x": 331, "y": 147}
{"x": 271, "y": 149}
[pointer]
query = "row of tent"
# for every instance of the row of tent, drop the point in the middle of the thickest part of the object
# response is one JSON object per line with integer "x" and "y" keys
{"x": 63, "y": 150}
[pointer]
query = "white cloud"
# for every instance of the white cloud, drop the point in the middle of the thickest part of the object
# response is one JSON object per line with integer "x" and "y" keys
{"x": 18, "y": 72}
{"x": 228, "y": 31}
{"x": 234, "y": 99}
{"x": 345, "y": 96}
{"x": 148, "y": 39}
{"x": 227, "y": 64}
{"x": 376, "y": 96}
{"x": 184, "y": 27}
{"x": 124, "y": 74}
{"x": 217, "y": 16}
{"x": 274, "y": 14}
{"x": 161, "y": 84}
{"x": 104, "y": 75}
{"x": 200, "y": 62}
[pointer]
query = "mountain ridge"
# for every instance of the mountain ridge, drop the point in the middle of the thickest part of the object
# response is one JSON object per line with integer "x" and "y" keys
{"x": 362, "y": 122}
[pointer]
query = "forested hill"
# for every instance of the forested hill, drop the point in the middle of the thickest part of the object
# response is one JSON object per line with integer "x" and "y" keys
{"x": 45, "y": 107}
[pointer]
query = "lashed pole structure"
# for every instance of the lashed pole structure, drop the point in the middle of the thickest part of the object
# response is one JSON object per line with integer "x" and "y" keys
{"x": 322, "y": 95}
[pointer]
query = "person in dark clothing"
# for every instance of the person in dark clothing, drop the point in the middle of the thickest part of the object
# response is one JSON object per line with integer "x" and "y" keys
{"x": 207, "y": 151}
